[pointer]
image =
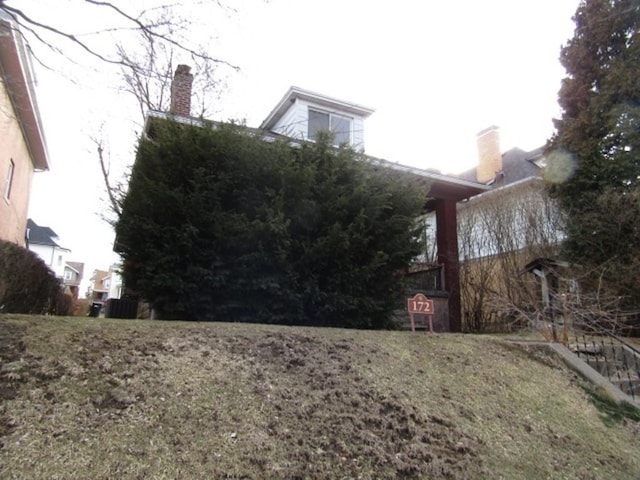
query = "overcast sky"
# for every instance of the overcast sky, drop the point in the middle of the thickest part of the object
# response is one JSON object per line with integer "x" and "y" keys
{"x": 436, "y": 73}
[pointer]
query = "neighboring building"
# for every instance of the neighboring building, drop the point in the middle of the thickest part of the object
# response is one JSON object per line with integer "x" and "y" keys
{"x": 106, "y": 294}
{"x": 99, "y": 287}
{"x": 300, "y": 115}
{"x": 502, "y": 230}
{"x": 23, "y": 149}
{"x": 114, "y": 281}
{"x": 106, "y": 284}
{"x": 73, "y": 272}
{"x": 517, "y": 209}
{"x": 44, "y": 242}
{"x": 498, "y": 169}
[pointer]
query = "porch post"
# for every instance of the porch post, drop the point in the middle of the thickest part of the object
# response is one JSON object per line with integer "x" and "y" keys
{"x": 447, "y": 243}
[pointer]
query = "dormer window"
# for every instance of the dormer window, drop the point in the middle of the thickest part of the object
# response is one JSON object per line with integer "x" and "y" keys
{"x": 540, "y": 162}
{"x": 339, "y": 125}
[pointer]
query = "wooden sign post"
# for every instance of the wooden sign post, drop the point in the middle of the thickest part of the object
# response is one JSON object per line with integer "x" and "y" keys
{"x": 419, "y": 304}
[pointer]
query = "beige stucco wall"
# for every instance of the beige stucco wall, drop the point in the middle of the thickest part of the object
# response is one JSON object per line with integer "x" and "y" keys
{"x": 13, "y": 212}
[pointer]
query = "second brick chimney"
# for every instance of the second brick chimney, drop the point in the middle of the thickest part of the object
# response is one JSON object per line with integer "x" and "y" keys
{"x": 489, "y": 154}
{"x": 181, "y": 91}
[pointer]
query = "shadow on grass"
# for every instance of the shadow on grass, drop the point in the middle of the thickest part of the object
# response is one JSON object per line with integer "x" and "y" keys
{"x": 611, "y": 412}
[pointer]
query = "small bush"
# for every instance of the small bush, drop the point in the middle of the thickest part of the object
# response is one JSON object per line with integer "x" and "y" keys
{"x": 27, "y": 285}
{"x": 64, "y": 304}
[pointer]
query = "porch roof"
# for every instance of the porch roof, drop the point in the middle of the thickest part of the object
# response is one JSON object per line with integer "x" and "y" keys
{"x": 441, "y": 187}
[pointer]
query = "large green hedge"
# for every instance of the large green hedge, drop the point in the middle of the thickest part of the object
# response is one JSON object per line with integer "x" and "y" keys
{"x": 27, "y": 285}
{"x": 219, "y": 224}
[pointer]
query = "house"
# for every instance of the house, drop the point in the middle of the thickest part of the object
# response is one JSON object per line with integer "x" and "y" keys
{"x": 301, "y": 114}
{"x": 114, "y": 282}
{"x": 119, "y": 303}
{"x": 44, "y": 242}
{"x": 23, "y": 149}
{"x": 73, "y": 273}
{"x": 99, "y": 287}
{"x": 106, "y": 284}
{"x": 107, "y": 295}
{"x": 503, "y": 229}
{"x": 517, "y": 200}
{"x": 497, "y": 169}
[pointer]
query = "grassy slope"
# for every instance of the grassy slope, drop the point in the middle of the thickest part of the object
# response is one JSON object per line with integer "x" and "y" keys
{"x": 127, "y": 399}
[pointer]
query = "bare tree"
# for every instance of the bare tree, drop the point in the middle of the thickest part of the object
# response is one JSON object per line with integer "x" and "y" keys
{"x": 574, "y": 312}
{"x": 164, "y": 24}
{"x": 498, "y": 233}
{"x": 138, "y": 45}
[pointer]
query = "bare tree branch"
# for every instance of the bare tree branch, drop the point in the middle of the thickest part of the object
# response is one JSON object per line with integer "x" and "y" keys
{"x": 143, "y": 43}
{"x": 18, "y": 14}
{"x": 163, "y": 28}
{"x": 114, "y": 201}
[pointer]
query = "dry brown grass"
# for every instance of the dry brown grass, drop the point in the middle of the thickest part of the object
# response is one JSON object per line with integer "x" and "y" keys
{"x": 101, "y": 399}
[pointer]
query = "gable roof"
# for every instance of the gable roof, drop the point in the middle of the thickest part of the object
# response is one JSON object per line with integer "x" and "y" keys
{"x": 517, "y": 165}
{"x": 297, "y": 93}
{"x": 78, "y": 267}
{"x": 15, "y": 70}
{"x": 38, "y": 235}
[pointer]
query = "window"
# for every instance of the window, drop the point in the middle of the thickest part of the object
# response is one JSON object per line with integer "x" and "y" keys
{"x": 9, "y": 182}
{"x": 339, "y": 125}
{"x": 59, "y": 260}
{"x": 68, "y": 275}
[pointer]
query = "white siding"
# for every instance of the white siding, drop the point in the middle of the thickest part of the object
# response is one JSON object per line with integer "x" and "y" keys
{"x": 295, "y": 122}
{"x": 54, "y": 257}
{"x": 115, "y": 285}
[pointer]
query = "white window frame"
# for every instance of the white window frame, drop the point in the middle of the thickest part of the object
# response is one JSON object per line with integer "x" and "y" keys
{"x": 333, "y": 118}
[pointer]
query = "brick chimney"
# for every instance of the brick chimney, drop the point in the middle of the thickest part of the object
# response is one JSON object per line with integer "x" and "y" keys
{"x": 489, "y": 154}
{"x": 181, "y": 91}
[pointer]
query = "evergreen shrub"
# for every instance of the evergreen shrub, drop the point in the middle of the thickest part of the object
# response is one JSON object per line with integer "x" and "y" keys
{"x": 27, "y": 285}
{"x": 219, "y": 224}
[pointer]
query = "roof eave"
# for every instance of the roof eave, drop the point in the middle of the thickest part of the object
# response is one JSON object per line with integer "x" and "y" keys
{"x": 19, "y": 83}
{"x": 329, "y": 102}
{"x": 442, "y": 186}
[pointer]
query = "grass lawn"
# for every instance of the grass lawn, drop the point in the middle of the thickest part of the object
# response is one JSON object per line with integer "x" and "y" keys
{"x": 106, "y": 399}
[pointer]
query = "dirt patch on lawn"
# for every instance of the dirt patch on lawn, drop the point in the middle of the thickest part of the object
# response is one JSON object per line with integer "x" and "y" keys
{"x": 309, "y": 411}
{"x": 173, "y": 400}
{"x": 347, "y": 420}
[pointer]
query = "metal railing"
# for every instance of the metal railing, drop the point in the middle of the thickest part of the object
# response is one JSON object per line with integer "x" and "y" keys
{"x": 425, "y": 277}
{"x": 612, "y": 357}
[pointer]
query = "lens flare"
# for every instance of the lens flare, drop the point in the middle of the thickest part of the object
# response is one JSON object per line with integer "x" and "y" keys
{"x": 561, "y": 165}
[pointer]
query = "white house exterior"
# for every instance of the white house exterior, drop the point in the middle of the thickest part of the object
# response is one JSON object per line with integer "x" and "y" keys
{"x": 517, "y": 213}
{"x": 301, "y": 114}
{"x": 43, "y": 241}
{"x": 114, "y": 282}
